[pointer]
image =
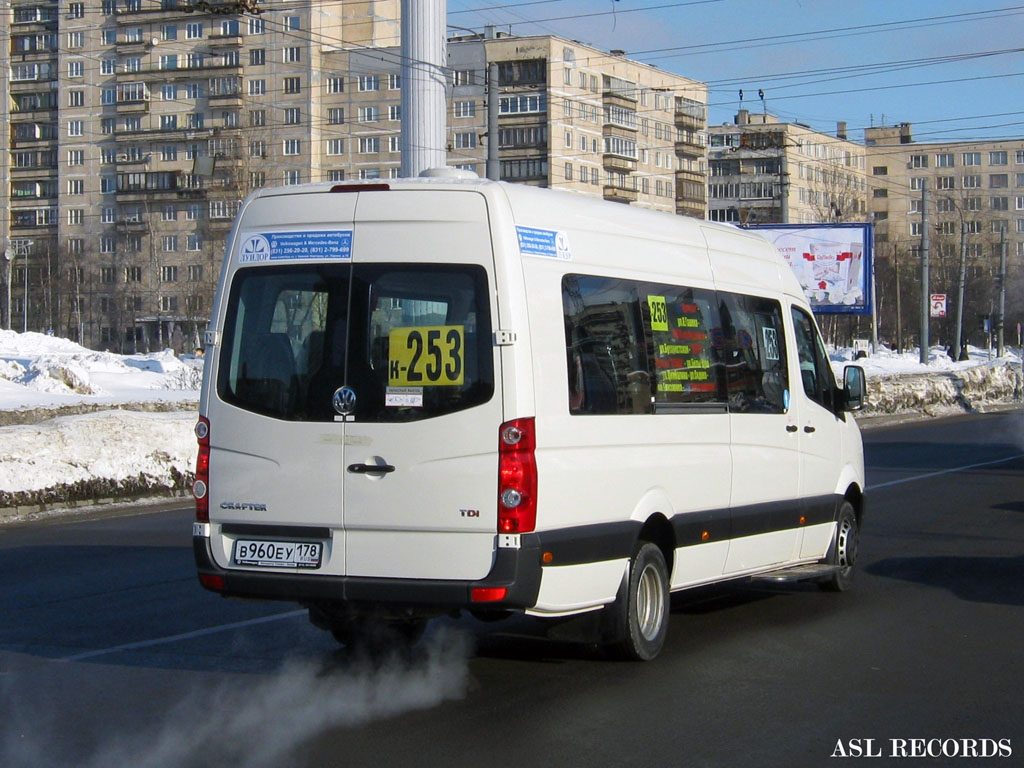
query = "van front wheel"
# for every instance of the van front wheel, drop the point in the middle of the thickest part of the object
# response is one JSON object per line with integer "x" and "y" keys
{"x": 640, "y": 612}
{"x": 842, "y": 552}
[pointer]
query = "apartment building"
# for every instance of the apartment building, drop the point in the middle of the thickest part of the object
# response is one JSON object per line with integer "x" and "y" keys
{"x": 975, "y": 209}
{"x": 765, "y": 171}
{"x": 571, "y": 117}
{"x": 974, "y": 185}
{"x": 132, "y": 129}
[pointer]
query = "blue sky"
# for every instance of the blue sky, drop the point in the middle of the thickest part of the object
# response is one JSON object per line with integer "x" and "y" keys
{"x": 953, "y": 69}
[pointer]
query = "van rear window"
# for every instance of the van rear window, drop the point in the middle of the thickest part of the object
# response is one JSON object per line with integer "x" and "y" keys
{"x": 409, "y": 341}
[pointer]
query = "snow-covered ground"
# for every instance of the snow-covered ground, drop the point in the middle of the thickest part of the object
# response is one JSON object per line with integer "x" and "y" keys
{"x": 77, "y": 424}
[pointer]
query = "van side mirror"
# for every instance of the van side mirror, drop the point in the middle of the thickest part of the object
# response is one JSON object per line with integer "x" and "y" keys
{"x": 854, "y": 389}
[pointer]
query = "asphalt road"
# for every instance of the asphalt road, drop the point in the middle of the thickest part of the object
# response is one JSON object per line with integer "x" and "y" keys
{"x": 112, "y": 655}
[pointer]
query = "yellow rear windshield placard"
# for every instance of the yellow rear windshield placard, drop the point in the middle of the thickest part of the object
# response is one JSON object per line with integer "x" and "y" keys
{"x": 426, "y": 356}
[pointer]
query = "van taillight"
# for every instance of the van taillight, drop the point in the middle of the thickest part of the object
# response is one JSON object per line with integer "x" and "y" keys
{"x": 517, "y": 477}
{"x": 201, "y": 486}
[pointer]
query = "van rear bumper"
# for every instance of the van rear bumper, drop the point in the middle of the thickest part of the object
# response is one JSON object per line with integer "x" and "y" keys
{"x": 516, "y": 570}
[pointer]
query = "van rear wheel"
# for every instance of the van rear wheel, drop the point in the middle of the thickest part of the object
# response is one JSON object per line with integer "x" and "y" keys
{"x": 842, "y": 552}
{"x": 639, "y": 615}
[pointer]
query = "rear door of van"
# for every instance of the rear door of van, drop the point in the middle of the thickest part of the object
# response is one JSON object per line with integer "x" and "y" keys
{"x": 421, "y": 467}
{"x": 359, "y": 371}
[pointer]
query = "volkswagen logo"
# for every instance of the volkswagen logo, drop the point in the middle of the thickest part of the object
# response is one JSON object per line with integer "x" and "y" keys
{"x": 344, "y": 400}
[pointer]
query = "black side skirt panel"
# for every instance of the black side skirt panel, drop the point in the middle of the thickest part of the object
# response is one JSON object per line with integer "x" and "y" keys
{"x": 518, "y": 570}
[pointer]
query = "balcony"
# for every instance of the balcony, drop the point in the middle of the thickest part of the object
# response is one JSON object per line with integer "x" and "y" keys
{"x": 619, "y": 163}
{"x": 619, "y": 194}
{"x": 224, "y": 41}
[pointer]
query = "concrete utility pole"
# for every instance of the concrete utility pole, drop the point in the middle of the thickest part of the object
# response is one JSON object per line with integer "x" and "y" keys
{"x": 424, "y": 62}
{"x": 958, "y": 345}
{"x": 8, "y": 266}
{"x": 926, "y": 304}
{"x": 493, "y": 161}
{"x": 1001, "y": 321}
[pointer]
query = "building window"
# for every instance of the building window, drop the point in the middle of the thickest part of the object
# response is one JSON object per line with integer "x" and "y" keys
{"x": 394, "y": 82}
{"x": 998, "y": 181}
{"x": 292, "y": 54}
{"x": 394, "y": 143}
{"x": 292, "y": 146}
{"x": 292, "y": 116}
{"x": 466, "y": 140}
{"x": 972, "y": 158}
{"x": 76, "y": 10}
{"x": 76, "y": 68}
{"x": 465, "y": 109}
{"x": 169, "y": 274}
{"x": 395, "y": 112}
{"x": 257, "y": 57}
{"x": 335, "y": 84}
{"x": 335, "y": 115}
{"x": 76, "y": 216}
{"x": 997, "y": 158}
{"x": 369, "y": 114}
{"x": 335, "y": 146}
{"x": 292, "y": 85}
{"x": 369, "y": 145}
{"x": 194, "y": 30}
{"x": 257, "y": 26}
{"x": 369, "y": 83}
{"x": 257, "y": 87}
{"x": 193, "y": 243}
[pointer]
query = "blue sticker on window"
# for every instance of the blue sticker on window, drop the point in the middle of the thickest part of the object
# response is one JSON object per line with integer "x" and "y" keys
{"x": 284, "y": 246}
{"x": 544, "y": 242}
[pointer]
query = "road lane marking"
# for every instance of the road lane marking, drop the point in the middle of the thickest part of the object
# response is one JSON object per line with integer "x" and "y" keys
{"x": 944, "y": 472}
{"x": 184, "y": 636}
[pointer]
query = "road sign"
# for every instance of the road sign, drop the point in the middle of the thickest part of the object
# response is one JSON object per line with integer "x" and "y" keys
{"x": 938, "y": 302}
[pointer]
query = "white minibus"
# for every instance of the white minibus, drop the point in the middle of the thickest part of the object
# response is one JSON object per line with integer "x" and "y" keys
{"x": 424, "y": 396}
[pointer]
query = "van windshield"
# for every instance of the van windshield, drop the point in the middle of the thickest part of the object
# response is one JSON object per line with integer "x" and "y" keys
{"x": 408, "y": 341}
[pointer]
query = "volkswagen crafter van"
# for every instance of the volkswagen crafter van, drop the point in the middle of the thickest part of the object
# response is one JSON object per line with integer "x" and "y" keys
{"x": 442, "y": 394}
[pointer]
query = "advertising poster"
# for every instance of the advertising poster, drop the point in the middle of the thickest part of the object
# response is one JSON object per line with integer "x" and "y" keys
{"x": 833, "y": 263}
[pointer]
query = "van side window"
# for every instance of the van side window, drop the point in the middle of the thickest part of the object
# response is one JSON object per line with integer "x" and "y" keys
{"x": 819, "y": 383}
{"x": 754, "y": 353}
{"x": 604, "y": 346}
{"x": 639, "y": 347}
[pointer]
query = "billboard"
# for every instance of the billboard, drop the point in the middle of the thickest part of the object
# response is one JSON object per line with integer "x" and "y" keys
{"x": 833, "y": 262}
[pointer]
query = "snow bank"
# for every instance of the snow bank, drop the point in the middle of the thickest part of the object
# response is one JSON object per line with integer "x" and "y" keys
{"x": 96, "y": 455}
{"x": 50, "y": 372}
{"x": 901, "y": 384}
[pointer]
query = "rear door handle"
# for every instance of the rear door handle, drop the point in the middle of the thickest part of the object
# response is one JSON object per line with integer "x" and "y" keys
{"x": 792, "y": 427}
{"x": 808, "y": 430}
{"x": 370, "y": 469}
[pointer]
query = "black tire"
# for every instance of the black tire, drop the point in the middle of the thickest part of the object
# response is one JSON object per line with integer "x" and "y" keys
{"x": 842, "y": 552}
{"x": 639, "y": 615}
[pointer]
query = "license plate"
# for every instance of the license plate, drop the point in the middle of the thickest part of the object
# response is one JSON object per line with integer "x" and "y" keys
{"x": 278, "y": 554}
